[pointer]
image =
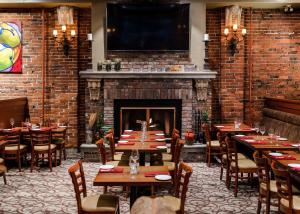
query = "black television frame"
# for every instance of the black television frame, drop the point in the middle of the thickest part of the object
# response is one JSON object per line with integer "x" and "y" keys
{"x": 147, "y": 3}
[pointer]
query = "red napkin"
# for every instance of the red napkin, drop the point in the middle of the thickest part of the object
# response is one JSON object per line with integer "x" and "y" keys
{"x": 246, "y": 129}
{"x": 295, "y": 169}
{"x": 153, "y": 174}
{"x": 129, "y": 137}
{"x": 284, "y": 157}
{"x": 113, "y": 170}
{"x": 286, "y": 144}
{"x": 245, "y": 137}
{"x": 45, "y": 129}
{"x": 126, "y": 144}
{"x": 258, "y": 143}
{"x": 156, "y": 145}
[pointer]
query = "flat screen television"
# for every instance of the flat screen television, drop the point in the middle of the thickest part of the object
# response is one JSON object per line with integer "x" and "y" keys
{"x": 147, "y": 27}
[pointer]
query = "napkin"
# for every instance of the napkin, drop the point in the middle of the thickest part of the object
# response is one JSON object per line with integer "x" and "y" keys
{"x": 113, "y": 170}
{"x": 153, "y": 174}
{"x": 284, "y": 157}
{"x": 258, "y": 143}
{"x": 127, "y": 143}
{"x": 296, "y": 169}
{"x": 156, "y": 145}
{"x": 286, "y": 144}
{"x": 129, "y": 137}
{"x": 245, "y": 137}
{"x": 45, "y": 129}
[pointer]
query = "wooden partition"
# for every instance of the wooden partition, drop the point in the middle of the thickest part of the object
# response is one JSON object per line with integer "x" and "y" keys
{"x": 13, "y": 108}
{"x": 288, "y": 106}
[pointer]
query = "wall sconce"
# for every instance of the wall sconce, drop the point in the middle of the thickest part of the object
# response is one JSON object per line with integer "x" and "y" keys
{"x": 65, "y": 42}
{"x": 235, "y": 39}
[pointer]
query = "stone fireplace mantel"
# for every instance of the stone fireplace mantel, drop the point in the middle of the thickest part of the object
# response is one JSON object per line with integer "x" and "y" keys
{"x": 90, "y": 74}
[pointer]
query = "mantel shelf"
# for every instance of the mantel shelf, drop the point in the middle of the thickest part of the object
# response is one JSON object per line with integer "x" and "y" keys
{"x": 90, "y": 74}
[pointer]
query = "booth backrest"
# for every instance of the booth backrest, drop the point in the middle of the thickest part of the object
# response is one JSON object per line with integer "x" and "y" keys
{"x": 13, "y": 108}
{"x": 284, "y": 116}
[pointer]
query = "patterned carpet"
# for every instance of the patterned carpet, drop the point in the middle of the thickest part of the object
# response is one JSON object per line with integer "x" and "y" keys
{"x": 53, "y": 193}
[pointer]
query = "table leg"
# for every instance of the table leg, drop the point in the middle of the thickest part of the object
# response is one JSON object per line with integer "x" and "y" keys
{"x": 142, "y": 158}
{"x": 133, "y": 195}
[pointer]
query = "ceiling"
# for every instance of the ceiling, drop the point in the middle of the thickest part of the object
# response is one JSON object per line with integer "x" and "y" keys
{"x": 87, "y": 3}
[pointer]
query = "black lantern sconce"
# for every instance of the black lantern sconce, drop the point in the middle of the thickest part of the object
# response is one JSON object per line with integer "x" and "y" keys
{"x": 65, "y": 42}
{"x": 234, "y": 39}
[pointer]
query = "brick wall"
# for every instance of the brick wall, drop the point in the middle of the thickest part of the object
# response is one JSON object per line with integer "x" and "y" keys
{"x": 275, "y": 66}
{"x": 61, "y": 85}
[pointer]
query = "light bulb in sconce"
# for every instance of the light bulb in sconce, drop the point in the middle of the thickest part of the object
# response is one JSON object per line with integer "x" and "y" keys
{"x": 226, "y": 31}
{"x": 63, "y": 28}
{"x": 55, "y": 33}
{"x": 244, "y": 31}
{"x": 206, "y": 37}
{"x": 90, "y": 37}
{"x": 235, "y": 27}
{"x": 73, "y": 33}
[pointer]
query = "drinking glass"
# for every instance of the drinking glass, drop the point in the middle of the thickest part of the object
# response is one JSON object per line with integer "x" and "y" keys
{"x": 12, "y": 122}
{"x": 256, "y": 127}
{"x": 262, "y": 130}
{"x": 271, "y": 134}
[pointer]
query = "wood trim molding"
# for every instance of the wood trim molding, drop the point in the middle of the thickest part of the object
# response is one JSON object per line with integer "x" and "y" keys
{"x": 289, "y": 106}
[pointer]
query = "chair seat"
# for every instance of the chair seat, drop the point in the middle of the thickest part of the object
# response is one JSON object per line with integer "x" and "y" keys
{"x": 1, "y": 161}
{"x": 296, "y": 202}
{"x": 173, "y": 202}
{"x": 148, "y": 205}
{"x": 58, "y": 141}
{"x": 273, "y": 187}
{"x": 3, "y": 169}
{"x": 245, "y": 164}
{"x": 166, "y": 157}
{"x": 214, "y": 143}
{"x": 44, "y": 148}
{"x": 170, "y": 165}
{"x": 14, "y": 148}
{"x": 240, "y": 156}
{"x": 100, "y": 203}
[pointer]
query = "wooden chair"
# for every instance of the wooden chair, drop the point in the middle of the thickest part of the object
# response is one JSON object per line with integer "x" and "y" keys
{"x": 212, "y": 146}
{"x": 170, "y": 156}
{"x": 267, "y": 187}
{"x": 238, "y": 167}
{"x": 3, "y": 170}
{"x": 120, "y": 156}
{"x": 40, "y": 146}
{"x": 224, "y": 159}
{"x": 14, "y": 150}
{"x": 90, "y": 204}
{"x": 288, "y": 203}
{"x": 173, "y": 165}
{"x": 58, "y": 138}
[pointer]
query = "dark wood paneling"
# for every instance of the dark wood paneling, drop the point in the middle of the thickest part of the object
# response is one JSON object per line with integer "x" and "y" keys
{"x": 13, "y": 108}
{"x": 289, "y": 106}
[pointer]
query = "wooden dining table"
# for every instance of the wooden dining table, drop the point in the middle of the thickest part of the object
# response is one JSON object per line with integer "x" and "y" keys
{"x": 264, "y": 143}
{"x": 133, "y": 181}
{"x": 230, "y": 128}
{"x": 148, "y": 146}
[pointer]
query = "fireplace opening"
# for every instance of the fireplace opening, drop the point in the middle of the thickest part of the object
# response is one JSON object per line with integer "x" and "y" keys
{"x": 160, "y": 114}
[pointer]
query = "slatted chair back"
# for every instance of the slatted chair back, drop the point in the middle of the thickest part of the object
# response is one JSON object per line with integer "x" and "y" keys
{"x": 174, "y": 139}
{"x": 263, "y": 170}
{"x": 181, "y": 183}
{"x": 102, "y": 151}
{"x": 13, "y": 137}
{"x": 112, "y": 146}
{"x": 231, "y": 151}
{"x": 58, "y": 134}
{"x": 284, "y": 185}
{"x": 78, "y": 180}
{"x": 40, "y": 138}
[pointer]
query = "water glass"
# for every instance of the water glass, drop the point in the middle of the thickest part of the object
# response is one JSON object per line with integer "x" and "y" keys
{"x": 262, "y": 130}
{"x": 12, "y": 122}
{"x": 271, "y": 134}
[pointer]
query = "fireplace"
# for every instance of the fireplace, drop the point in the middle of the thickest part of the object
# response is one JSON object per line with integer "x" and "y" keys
{"x": 160, "y": 114}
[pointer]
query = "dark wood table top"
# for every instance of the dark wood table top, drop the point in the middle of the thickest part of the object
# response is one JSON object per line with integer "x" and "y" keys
{"x": 126, "y": 179}
{"x": 267, "y": 144}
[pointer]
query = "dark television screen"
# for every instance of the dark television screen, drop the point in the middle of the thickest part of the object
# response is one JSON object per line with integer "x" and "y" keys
{"x": 146, "y": 27}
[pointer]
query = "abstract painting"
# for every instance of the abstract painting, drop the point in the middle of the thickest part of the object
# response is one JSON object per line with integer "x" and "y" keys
{"x": 10, "y": 47}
